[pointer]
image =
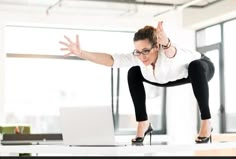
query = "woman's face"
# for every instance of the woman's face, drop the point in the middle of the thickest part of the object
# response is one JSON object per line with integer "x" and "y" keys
{"x": 145, "y": 51}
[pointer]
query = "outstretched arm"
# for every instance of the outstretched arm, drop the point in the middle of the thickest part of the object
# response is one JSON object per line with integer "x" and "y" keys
{"x": 162, "y": 39}
{"x": 73, "y": 48}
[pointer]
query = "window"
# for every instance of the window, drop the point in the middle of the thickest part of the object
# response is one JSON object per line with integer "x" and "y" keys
{"x": 209, "y": 36}
{"x": 214, "y": 90}
{"x": 36, "y": 87}
{"x": 229, "y": 65}
{"x": 225, "y": 48}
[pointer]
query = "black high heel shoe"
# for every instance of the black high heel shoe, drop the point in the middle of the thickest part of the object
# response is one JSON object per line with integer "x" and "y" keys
{"x": 204, "y": 139}
{"x": 139, "y": 140}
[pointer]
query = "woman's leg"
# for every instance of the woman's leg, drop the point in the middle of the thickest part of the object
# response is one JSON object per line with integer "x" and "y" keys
{"x": 200, "y": 72}
{"x": 137, "y": 92}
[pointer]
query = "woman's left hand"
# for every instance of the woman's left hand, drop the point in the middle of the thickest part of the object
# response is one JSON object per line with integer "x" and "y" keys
{"x": 161, "y": 35}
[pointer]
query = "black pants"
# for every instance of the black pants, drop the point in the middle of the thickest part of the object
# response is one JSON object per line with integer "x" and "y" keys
{"x": 199, "y": 73}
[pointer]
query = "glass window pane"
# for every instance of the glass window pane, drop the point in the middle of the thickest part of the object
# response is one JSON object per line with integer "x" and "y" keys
{"x": 230, "y": 65}
{"x": 46, "y": 40}
{"x": 214, "y": 90}
{"x": 36, "y": 88}
{"x": 209, "y": 36}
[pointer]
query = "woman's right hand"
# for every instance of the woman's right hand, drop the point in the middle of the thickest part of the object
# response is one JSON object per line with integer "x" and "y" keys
{"x": 161, "y": 35}
{"x": 72, "y": 47}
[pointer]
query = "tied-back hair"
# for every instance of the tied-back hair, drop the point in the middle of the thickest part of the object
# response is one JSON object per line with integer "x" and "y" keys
{"x": 147, "y": 32}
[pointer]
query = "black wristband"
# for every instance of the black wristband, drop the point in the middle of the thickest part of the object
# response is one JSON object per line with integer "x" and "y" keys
{"x": 167, "y": 46}
{"x": 167, "y": 43}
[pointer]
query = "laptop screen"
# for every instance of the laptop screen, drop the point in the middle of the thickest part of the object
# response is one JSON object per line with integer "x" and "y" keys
{"x": 87, "y": 125}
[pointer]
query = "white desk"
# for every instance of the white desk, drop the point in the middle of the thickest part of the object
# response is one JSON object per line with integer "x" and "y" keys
{"x": 154, "y": 150}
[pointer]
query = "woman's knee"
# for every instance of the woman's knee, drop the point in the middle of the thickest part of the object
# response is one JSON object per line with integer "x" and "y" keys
{"x": 134, "y": 73}
{"x": 200, "y": 67}
{"x": 196, "y": 67}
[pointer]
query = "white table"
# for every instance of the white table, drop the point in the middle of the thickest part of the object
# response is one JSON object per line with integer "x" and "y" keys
{"x": 154, "y": 150}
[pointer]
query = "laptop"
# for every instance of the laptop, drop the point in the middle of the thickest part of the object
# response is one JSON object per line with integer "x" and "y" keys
{"x": 88, "y": 126}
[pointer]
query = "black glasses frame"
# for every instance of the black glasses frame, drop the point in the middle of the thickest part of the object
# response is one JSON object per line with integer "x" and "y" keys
{"x": 144, "y": 52}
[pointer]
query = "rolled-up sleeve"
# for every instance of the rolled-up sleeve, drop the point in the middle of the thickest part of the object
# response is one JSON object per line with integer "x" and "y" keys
{"x": 124, "y": 60}
{"x": 183, "y": 54}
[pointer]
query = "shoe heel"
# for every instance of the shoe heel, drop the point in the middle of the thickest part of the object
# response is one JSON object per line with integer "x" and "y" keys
{"x": 139, "y": 140}
{"x": 211, "y": 135}
{"x": 205, "y": 139}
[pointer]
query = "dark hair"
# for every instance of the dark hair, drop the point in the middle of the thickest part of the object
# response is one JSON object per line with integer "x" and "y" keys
{"x": 148, "y": 32}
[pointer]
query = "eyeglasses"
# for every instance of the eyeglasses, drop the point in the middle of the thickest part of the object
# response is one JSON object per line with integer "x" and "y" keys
{"x": 144, "y": 51}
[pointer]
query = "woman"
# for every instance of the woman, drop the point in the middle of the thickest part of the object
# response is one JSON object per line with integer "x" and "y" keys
{"x": 157, "y": 61}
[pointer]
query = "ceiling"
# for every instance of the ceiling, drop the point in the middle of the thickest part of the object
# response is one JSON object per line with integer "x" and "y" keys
{"x": 115, "y": 12}
{"x": 197, "y": 4}
{"x": 122, "y": 7}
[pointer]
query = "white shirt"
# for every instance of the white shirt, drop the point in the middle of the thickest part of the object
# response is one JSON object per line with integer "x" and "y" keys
{"x": 166, "y": 69}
